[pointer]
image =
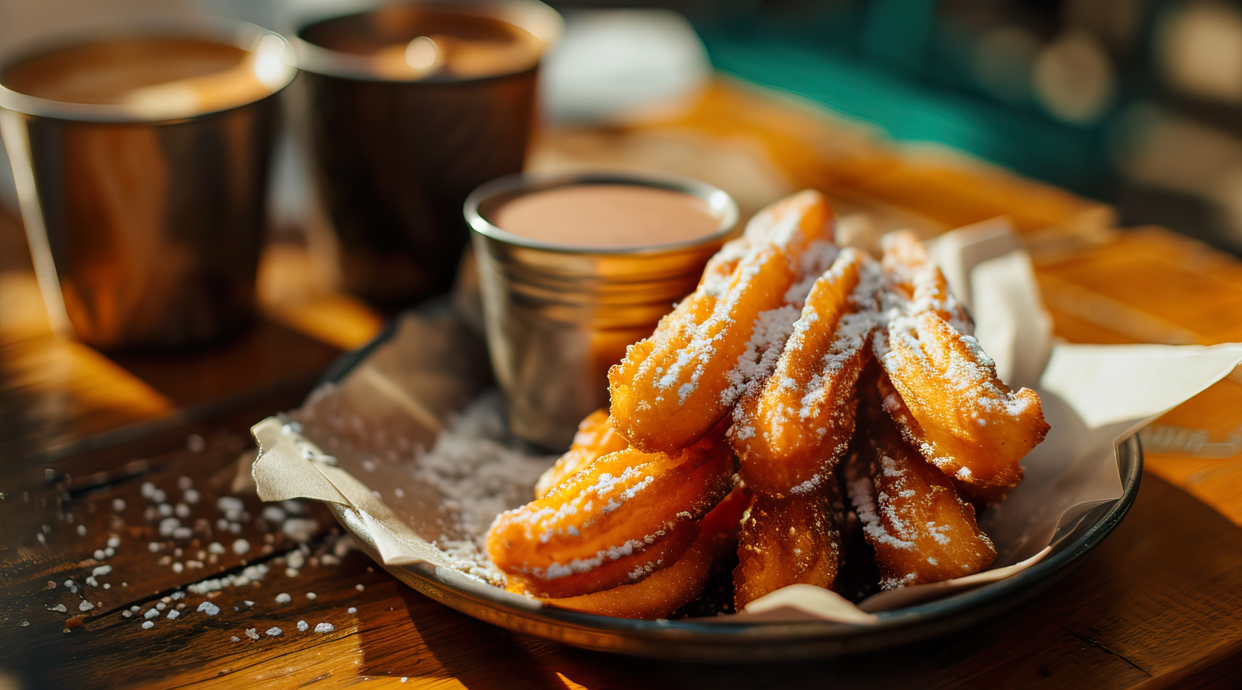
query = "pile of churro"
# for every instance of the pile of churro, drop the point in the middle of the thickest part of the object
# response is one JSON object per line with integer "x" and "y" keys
{"x": 803, "y": 390}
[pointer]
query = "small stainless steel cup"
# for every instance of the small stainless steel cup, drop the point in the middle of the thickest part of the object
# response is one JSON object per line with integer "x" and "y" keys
{"x": 558, "y": 317}
{"x": 145, "y": 222}
{"x": 393, "y": 159}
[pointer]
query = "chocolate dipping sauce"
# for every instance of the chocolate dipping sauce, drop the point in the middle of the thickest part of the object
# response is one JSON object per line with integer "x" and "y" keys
{"x": 604, "y": 216}
{"x": 417, "y": 42}
{"x": 188, "y": 74}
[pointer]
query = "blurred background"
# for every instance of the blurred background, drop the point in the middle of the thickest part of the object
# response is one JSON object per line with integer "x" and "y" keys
{"x": 1135, "y": 103}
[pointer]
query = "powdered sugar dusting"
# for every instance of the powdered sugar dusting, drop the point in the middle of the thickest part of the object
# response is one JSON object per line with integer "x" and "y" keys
{"x": 763, "y": 351}
{"x": 862, "y": 496}
{"x": 773, "y": 328}
{"x": 480, "y": 473}
{"x": 776, "y": 224}
{"x": 816, "y": 260}
{"x": 805, "y": 383}
{"x": 923, "y": 342}
{"x": 852, "y": 332}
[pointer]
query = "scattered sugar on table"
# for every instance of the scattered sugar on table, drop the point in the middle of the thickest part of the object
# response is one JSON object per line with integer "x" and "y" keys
{"x": 195, "y": 443}
{"x": 208, "y": 608}
{"x": 295, "y": 559}
{"x": 300, "y": 529}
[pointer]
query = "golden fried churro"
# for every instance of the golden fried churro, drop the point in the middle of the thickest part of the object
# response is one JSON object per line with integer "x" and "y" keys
{"x": 911, "y": 276}
{"x": 625, "y": 516}
{"x": 674, "y": 386}
{"x": 669, "y": 589}
{"x": 786, "y": 540}
{"x": 595, "y": 438}
{"x": 961, "y": 417}
{"x": 790, "y": 432}
{"x": 911, "y": 515}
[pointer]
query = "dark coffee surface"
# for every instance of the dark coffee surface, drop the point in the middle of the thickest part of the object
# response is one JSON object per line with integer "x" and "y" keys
{"x": 146, "y": 71}
{"x": 407, "y": 42}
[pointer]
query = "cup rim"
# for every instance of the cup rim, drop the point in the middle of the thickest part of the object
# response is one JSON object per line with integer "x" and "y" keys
{"x": 244, "y": 35}
{"x": 519, "y": 184}
{"x": 541, "y": 20}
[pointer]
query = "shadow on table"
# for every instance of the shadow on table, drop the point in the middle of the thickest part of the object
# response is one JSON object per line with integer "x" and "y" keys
{"x": 265, "y": 355}
{"x": 55, "y": 393}
{"x": 429, "y": 641}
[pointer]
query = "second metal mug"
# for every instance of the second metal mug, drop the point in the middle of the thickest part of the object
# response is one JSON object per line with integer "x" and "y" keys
{"x": 394, "y": 160}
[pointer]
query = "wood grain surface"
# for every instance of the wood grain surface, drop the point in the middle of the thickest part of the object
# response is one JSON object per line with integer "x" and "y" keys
{"x": 1155, "y": 605}
{"x": 1158, "y": 604}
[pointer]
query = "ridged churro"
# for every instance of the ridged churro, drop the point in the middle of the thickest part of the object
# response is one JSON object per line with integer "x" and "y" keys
{"x": 671, "y": 588}
{"x": 911, "y": 515}
{"x": 961, "y": 416}
{"x": 790, "y": 432}
{"x": 786, "y": 540}
{"x": 617, "y": 521}
{"x": 595, "y": 438}
{"x": 674, "y": 386}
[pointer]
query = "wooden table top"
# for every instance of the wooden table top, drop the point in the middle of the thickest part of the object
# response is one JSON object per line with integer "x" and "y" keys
{"x": 91, "y": 446}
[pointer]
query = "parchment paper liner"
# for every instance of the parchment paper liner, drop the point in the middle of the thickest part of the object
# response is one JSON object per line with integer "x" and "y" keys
{"x": 398, "y": 398}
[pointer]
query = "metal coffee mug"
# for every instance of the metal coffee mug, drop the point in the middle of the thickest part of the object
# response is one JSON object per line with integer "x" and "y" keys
{"x": 558, "y": 317}
{"x": 394, "y": 160}
{"x": 145, "y": 221}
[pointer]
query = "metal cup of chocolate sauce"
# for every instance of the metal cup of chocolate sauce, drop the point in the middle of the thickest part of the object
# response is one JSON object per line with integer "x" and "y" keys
{"x": 573, "y": 269}
{"x": 410, "y": 106}
{"x": 141, "y": 154}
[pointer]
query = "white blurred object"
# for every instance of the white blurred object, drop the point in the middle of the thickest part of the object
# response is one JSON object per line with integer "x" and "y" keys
{"x": 624, "y": 66}
{"x": 1199, "y": 48}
